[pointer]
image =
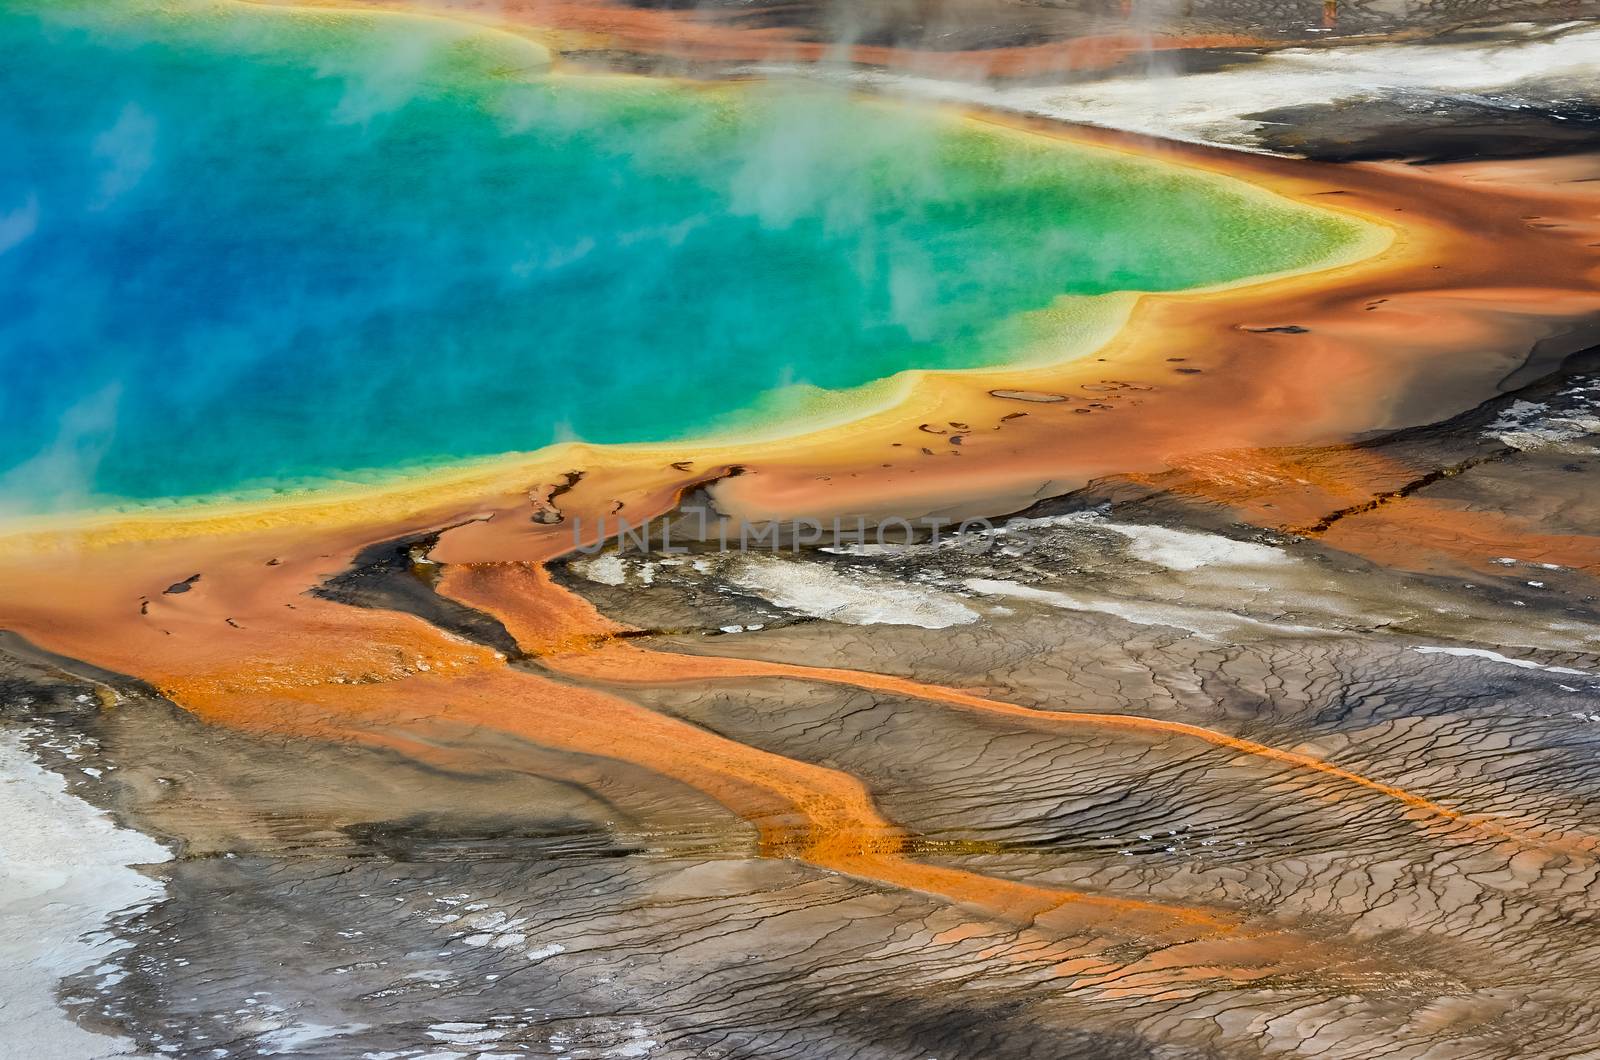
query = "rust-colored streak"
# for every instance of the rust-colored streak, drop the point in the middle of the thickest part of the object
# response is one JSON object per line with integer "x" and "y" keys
{"x": 1420, "y": 533}
{"x": 307, "y": 668}
{"x": 247, "y": 646}
{"x": 580, "y": 26}
{"x": 802, "y": 811}
{"x": 1376, "y": 335}
{"x": 534, "y": 611}
{"x": 1364, "y": 502}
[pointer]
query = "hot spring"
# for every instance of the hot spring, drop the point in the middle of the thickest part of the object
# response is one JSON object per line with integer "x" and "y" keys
{"x": 243, "y": 248}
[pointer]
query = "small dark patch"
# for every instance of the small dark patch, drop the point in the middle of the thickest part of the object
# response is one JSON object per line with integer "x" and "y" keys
{"x": 390, "y": 576}
{"x": 543, "y": 499}
{"x": 181, "y": 587}
{"x": 424, "y": 838}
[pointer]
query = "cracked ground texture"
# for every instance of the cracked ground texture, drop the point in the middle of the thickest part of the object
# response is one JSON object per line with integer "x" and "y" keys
{"x": 1199, "y": 776}
{"x": 1252, "y": 752}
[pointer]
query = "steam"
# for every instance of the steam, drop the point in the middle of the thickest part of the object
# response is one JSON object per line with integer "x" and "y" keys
{"x": 388, "y": 71}
{"x": 60, "y": 477}
{"x": 20, "y": 224}
{"x": 679, "y": 255}
{"x": 125, "y": 152}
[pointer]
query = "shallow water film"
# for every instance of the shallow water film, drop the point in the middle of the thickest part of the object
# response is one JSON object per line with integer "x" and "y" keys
{"x": 347, "y": 243}
{"x": 602, "y": 529}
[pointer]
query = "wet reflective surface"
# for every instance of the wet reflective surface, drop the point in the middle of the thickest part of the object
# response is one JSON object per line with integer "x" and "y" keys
{"x": 1253, "y": 713}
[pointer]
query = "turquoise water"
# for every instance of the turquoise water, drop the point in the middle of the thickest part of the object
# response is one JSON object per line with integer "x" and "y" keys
{"x": 242, "y": 248}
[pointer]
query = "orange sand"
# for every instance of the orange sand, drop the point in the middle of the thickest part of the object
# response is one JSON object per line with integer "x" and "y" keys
{"x": 246, "y": 647}
{"x": 571, "y": 638}
{"x": 691, "y": 36}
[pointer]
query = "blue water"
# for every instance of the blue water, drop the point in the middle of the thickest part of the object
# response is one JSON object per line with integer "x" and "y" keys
{"x": 242, "y": 248}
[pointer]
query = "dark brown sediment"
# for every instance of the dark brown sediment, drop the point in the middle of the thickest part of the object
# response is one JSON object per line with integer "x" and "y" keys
{"x": 1116, "y": 827}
